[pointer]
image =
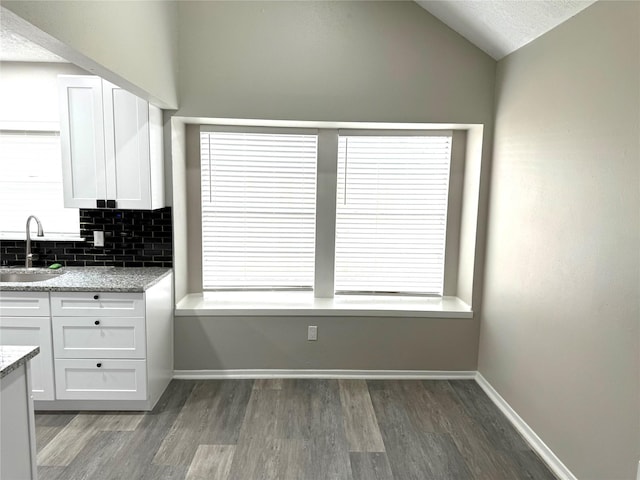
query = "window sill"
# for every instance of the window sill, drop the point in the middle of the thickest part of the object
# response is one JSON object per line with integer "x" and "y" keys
{"x": 54, "y": 237}
{"x": 304, "y": 304}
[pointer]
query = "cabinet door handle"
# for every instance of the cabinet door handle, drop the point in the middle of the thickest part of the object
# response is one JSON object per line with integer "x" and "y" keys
{"x": 96, "y": 297}
{"x": 98, "y": 365}
{"x": 97, "y": 322}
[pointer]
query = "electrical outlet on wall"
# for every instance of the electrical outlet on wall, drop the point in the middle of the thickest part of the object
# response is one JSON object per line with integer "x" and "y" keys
{"x": 312, "y": 333}
{"x": 98, "y": 239}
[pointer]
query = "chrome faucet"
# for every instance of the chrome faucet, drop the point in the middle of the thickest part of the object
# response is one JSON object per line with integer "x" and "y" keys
{"x": 28, "y": 261}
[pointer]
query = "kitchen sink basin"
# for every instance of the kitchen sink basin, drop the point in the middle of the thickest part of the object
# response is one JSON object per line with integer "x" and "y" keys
{"x": 20, "y": 277}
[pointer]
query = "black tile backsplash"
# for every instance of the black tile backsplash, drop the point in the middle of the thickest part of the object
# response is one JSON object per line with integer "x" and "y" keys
{"x": 132, "y": 238}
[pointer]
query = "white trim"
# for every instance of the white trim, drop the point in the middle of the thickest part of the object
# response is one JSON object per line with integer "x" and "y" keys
{"x": 254, "y": 122}
{"x": 54, "y": 237}
{"x": 93, "y": 405}
{"x": 638, "y": 475}
{"x": 346, "y": 374}
{"x": 304, "y": 303}
{"x": 259, "y": 129}
{"x": 29, "y": 125}
{"x": 361, "y": 132}
{"x": 534, "y": 441}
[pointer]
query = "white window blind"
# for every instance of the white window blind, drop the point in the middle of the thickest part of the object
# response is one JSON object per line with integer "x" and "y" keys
{"x": 258, "y": 210}
{"x": 31, "y": 183}
{"x": 391, "y": 214}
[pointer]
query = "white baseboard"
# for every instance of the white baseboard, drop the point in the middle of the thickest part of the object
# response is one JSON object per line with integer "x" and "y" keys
{"x": 534, "y": 441}
{"x": 347, "y": 374}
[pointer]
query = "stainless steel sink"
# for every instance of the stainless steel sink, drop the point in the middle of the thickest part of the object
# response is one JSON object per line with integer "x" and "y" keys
{"x": 20, "y": 277}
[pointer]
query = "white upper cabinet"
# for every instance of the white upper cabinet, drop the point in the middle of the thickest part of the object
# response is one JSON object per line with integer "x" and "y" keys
{"x": 82, "y": 139}
{"x": 111, "y": 146}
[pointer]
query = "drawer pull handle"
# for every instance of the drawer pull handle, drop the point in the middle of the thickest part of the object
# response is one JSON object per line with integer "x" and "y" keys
{"x": 96, "y": 297}
{"x": 97, "y": 322}
{"x": 98, "y": 365}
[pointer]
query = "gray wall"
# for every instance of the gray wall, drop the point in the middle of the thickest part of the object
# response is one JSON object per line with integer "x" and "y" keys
{"x": 560, "y": 323}
{"x": 357, "y": 343}
{"x": 329, "y": 61}
{"x": 131, "y": 43}
{"x": 376, "y": 343}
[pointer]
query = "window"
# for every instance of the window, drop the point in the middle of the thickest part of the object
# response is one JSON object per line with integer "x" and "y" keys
{"x": 258, "y": 210}
{"x": 390, "y": 212}
{"x": 31, "y": 184}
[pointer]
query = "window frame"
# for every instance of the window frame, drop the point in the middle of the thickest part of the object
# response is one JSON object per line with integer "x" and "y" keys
{"x": 253, "y": 130}
{"x": 49, "y": 222}
{"x": 326, "y": 190}
{"x": 344, "y": 133}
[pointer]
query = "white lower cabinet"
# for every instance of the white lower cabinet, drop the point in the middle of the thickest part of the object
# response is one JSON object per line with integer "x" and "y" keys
{"x": 97, "y": 304}
{"x": 99, "y": 358}
{"x": 34, "y": 331}
{"x": 99, "y": 337}
{"x": 98, "y": 379}
{"x": 25, "y": 320}
{"x": 98, "y": 350}
{"x": 17, "y": 426}
{"x": 112, "y": 350}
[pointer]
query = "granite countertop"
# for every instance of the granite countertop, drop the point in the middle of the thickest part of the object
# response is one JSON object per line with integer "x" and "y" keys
{"x": 88, "y": 279}
{"x": 12, "y": 356}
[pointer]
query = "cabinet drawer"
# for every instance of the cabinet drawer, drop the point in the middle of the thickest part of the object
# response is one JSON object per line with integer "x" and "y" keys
{"x": 99, "y": 337}
{"x": 85, "y": 304}
{"x": 100, "y": 379}
{"x": 24, "y": 304}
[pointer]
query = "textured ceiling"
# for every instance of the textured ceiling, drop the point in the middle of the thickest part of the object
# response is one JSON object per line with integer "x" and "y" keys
{"x": 16, "y": 48}
{"x": 500, "y": 27}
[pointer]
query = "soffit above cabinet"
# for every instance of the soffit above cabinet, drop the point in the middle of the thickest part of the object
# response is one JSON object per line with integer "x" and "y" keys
{"x": 16, "y": 48}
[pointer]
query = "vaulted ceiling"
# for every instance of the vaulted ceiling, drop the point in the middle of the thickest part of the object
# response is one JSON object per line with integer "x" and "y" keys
{"x": 500, "y": 27}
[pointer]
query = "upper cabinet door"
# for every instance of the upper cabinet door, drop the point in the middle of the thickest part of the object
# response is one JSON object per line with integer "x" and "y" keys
{"x": 82, "y": 139}
{"x": 127, "y": 148}
{"x": 111, "y": 146}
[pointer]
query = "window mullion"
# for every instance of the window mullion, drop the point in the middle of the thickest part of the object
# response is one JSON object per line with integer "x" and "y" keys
{"x": 326, "y": 213}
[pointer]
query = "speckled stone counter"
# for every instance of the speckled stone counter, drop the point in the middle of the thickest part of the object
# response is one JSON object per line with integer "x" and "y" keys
{"x": 12, "y": 357}
{"x": 88, "y": 279}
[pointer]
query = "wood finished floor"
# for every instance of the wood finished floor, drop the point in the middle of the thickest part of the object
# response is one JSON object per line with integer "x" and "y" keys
{"x": 293, "y": 430}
